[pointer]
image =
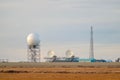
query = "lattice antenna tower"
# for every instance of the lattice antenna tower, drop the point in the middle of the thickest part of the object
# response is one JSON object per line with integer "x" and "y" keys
{"x": 91, "y": 55}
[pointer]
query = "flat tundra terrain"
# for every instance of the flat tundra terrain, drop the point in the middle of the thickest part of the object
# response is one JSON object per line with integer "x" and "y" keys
{"x": 60, "y": 71}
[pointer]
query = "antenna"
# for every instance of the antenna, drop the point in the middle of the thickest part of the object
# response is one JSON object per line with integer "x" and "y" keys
{"x": 91, "y": 55}
{"x": 33, "y": 50}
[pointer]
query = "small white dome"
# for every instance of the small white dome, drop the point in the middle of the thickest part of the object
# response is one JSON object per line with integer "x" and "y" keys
{"x": 33, "y": 39}
{"x": 51, "y": 53}
{"x": 69, "y": 53}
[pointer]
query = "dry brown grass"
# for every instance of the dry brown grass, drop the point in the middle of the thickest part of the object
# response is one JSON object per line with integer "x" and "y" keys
{"x": 60, "y": 74}
{"x": 64, "y": 72}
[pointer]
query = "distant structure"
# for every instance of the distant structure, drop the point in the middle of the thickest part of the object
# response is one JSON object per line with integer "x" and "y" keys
{"x": 70, "y": 57}
{"x": 91, "y": 55}
{"x": 4, "y": 60}
{"x": 117, "y": 60}
{"x": 33, "y": 50}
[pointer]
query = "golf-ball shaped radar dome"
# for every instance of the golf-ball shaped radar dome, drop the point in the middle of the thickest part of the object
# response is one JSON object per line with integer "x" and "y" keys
{"x": 33, "y": 39}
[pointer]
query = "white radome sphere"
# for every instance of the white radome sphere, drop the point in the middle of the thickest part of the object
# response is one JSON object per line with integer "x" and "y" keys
{"x": 33, "y": 39}
{"x": 69, "y": 53}
{"x": 51, "y": 53}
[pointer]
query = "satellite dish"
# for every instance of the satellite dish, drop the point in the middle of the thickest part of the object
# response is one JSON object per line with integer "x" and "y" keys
{"x": 51, "y": 53}
{"x": 69, "y": 54}
{"x": 33, "y": 39}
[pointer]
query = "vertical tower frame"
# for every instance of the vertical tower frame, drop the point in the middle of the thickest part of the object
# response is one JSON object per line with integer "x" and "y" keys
{"x": 33, "y": 53}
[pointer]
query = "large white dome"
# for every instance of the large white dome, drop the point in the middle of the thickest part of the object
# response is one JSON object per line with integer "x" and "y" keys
{"x": 33, "y": 39}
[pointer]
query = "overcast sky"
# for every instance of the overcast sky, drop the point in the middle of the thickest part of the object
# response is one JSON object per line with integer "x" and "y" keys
{"x": 62, "y": 25}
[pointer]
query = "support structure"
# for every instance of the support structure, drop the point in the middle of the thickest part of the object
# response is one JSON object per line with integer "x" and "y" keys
{"x": 91, "y": 55}
{"x": 33, "y": 53}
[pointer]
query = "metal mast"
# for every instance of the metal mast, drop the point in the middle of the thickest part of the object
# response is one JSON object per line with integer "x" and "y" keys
{"x": 91, "y": 55}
